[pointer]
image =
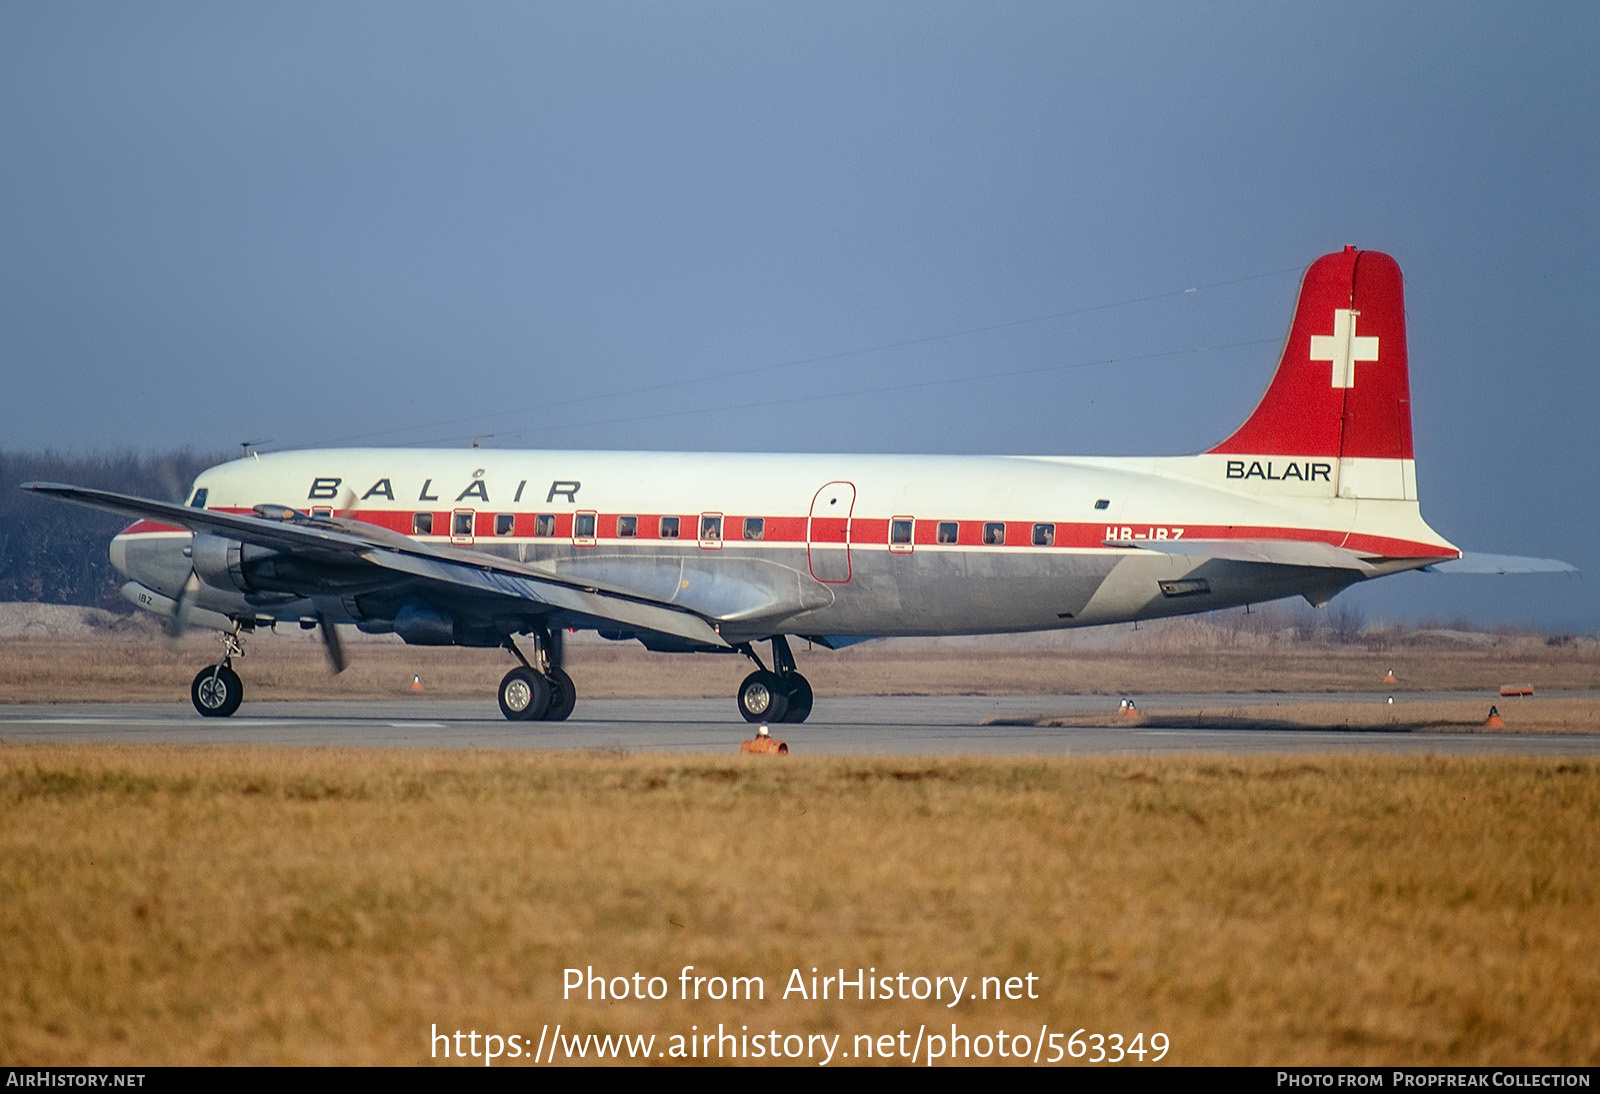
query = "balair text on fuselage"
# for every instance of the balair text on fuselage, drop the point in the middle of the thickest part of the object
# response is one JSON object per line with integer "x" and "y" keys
{"x": 1279, "y": 471}
{"x": 326, "y": 488}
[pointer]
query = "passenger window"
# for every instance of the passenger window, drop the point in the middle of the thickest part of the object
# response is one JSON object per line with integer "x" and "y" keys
{"x": 504, "y": 523}
{"x": 994, "y": 533}
{"x": 710, "y": 527}
{"x": 949, "y": 531}
{"x": 627, "y": 527}
{"x": 544, "y": 524}
{"x": 900, "y": 531}
{"x": 1044, "y": 535}
{"x": 755, "y": 527}
{"x": 669, "y": 527}
{"x": 583, "y": 526}
{"x": 422, "y": 524}
{"x": 461, "y": 525}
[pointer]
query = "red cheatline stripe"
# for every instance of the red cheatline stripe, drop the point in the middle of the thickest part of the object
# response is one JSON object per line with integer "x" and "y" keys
{"x": 866, "y": 531}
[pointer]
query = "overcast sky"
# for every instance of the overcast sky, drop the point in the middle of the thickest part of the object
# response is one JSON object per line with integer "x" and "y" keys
{"x": 808, "y": 227}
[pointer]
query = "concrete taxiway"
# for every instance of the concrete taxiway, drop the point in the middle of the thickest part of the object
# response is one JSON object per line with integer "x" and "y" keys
{"x": 885, "y": 725}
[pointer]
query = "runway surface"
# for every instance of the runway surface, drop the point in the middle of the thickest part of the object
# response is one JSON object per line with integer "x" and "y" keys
{"x": 886, "y": 725}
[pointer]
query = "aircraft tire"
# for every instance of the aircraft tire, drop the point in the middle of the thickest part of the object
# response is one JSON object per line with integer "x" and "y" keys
{"x": 563, "y": 697}
{"x": 800, "y": 698}
{"x": 524, "y": 695}
{"x": 763, "y": 697}
{"x": 217, "y": 691}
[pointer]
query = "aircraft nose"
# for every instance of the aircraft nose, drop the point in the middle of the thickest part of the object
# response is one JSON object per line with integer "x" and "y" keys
{"x": 151, "y": 553}
{"x": 119, "y": 550}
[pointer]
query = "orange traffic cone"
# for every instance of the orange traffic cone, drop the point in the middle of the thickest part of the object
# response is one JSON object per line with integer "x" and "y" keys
{"x": 1495, "y": 721}
{"x": 416, "y": 683}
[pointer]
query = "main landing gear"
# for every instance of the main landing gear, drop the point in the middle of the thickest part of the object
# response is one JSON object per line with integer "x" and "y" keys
{"x": 781, "y": 696}
{"x": 540, "y": 690}
{"x": 218, "y": 691}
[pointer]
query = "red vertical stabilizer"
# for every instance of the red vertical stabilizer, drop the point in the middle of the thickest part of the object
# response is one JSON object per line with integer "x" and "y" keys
{"x": 1342, "y": 388}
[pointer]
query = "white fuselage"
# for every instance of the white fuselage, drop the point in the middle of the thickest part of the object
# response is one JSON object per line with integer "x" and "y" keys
{"x": 860, "y": 545}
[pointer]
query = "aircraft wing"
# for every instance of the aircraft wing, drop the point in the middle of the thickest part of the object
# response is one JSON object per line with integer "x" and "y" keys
{"x": 1277, "y": 552}
{"x": 335, "y": 540}
{"x": 1476, "y": 562}
{"x": 587, "y": 600}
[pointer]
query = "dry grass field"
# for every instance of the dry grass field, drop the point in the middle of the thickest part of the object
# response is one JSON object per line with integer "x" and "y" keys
{"x": 235, "y": 905}
{"x": 229, "y": 905}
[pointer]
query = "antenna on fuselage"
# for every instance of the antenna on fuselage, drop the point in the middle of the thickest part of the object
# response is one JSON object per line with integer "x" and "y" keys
{"x": 250, "y": 447}
{"x": 480, "y": 437}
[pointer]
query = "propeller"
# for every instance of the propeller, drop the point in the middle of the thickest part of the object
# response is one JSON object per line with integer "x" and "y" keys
{"x": 179, "y": 621}
{"x": 331, "y": 643}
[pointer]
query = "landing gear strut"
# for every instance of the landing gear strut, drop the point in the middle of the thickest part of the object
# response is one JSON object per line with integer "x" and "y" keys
{"x": 217, "y": 691}
{"x": 539, "y": 690}
{"x": 781, "y": 696}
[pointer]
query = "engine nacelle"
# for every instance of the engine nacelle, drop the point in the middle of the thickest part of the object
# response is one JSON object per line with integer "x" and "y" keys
{"x": 418, "y": 625}
{"x": 225, "y": 563}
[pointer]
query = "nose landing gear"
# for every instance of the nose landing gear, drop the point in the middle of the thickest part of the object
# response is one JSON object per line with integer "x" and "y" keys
{"x": 217, "y": 691}
{"x": 781, "y": 696}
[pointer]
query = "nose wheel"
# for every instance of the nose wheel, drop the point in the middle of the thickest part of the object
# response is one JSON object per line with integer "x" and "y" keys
{"x": 217, "y": 691}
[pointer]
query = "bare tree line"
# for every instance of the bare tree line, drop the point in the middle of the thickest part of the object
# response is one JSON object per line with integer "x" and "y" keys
{"x": 55, "y": 553}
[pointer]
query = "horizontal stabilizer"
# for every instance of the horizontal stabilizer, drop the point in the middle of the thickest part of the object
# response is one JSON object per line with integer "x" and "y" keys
{"x": 1476, "y": 562}
{"x": 1273, "y": 552}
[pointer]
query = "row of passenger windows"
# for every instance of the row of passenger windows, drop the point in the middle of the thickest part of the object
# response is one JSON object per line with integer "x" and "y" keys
{"x": 949, "y": 531}
{"x": 583, "y": 527}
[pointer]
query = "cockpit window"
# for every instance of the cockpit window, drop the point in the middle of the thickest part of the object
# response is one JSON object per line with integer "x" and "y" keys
{"x": 199, "y": 499}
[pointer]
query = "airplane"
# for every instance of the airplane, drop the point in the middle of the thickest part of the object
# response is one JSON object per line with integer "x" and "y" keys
{"x": 1316, "y": 491}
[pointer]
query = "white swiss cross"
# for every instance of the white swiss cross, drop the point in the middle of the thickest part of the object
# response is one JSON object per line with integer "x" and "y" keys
{"x": 1343, "y": 348}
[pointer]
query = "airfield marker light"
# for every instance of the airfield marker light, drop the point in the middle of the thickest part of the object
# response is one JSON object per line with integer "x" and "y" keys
{"x": 1389, "y": 678}
{"x": 763, "y": 743}
{"x": 416, "y": 683}
{"x": 1494, "y": 721}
